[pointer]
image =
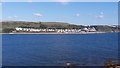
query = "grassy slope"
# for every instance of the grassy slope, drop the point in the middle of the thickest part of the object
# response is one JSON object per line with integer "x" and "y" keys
{"x": 14, "y": 24}
{"x": 32, "y": 24}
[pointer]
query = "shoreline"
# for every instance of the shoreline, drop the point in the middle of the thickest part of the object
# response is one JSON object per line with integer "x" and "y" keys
{"x": 59, "y": 33}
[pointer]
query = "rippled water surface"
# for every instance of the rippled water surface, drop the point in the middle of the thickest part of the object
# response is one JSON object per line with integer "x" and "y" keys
{"x": 57, "y": 49}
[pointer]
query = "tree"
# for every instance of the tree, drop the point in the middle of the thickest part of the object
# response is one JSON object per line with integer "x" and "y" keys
{"x": 42, "y": 26}
{"x": 8, "y": 30}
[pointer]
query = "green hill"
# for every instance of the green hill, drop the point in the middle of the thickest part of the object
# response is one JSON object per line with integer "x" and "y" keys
{"x": 14, "y": 24}
{"x": 9, "y": 26}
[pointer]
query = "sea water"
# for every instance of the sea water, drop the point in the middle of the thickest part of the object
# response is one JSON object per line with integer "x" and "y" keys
{"x": 57, "y": 49}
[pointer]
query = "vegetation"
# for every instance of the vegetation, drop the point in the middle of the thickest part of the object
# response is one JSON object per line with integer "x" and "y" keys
{"x": 9, "y": 26}
{"x": 14, "y": 24}
{"x": 105, "y": 28}
{"x": 8, "y": 30}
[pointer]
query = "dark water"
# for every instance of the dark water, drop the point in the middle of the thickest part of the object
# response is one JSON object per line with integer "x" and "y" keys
{"x": 57, "y": 49}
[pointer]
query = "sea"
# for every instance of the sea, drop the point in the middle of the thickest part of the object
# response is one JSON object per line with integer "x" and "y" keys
{"x": 59, "y": 49}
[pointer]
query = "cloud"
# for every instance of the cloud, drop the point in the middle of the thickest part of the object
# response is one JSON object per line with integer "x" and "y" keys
{"x": 100, "y": 16}
{"x": 77, "y": 14}
{"x": 37, "y": 14}
{"x": 64, "y": 1}
{"x": 101, "y": 13}
{"x": 15, "y": 16}
{"x": 12, "y": 17}
{"x": 9, "y": 17}
{"x": 29, "y": 1}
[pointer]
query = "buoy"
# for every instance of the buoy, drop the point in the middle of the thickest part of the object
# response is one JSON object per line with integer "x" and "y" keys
{"x": 68, "y": 65}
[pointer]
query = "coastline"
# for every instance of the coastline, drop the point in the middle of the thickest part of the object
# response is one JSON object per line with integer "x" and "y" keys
{"x": 58, "y": 33}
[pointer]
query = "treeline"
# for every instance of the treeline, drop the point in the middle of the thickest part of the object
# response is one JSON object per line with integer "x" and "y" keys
{"x": 39, "y": 25}
{"x": 10, "y": 26}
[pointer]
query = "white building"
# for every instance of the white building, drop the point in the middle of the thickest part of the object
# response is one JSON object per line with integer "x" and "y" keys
{"x": 18, "y": 29}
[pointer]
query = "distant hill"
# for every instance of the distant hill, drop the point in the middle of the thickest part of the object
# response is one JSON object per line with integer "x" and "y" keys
{"x": 8, "y": 26}
{"x": 14, "y": 24}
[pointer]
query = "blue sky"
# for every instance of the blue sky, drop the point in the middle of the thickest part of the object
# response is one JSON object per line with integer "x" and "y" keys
{"x": 60, "y": 0}
{"x": 85, "y": 13}
{"x": 0, "y": 11}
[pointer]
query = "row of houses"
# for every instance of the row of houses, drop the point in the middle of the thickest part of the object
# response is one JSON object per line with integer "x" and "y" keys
{"x": 20, "y": 29}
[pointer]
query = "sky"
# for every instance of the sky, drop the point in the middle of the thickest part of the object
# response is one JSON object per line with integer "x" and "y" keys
{"x": 0, "y": 11}
{"x": 60, "y": 0}
{"x": 82, "y": 13}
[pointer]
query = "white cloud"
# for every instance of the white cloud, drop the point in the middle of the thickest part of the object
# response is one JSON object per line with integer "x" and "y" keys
{"x": 101, "y": 12}
{"x": 100, "y": 16}
{"x": 9, "y": 17}
{"x": 29, "y": 1}
{"x": 12, "y": 17}
{"x": 64, "y": 1}
{"x": 37, "y": 14}
{"x": 77, "y": 14}
{"x": 15, "y": 16}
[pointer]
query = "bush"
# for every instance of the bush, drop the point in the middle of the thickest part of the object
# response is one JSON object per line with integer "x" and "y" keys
{"x": 7, "y": 30}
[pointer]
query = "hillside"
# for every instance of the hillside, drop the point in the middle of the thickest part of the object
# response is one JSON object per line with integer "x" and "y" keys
{"x": 15, "y": 24}
{"x": 9, "y": 26}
